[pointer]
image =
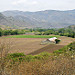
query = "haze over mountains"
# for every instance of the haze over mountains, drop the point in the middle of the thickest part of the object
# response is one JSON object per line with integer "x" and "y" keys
{"x": 42, "y": 19}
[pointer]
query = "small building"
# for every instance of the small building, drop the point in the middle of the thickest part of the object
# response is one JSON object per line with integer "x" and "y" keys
{"x": 52, "y": 39}
{"x": 49, "y": 41}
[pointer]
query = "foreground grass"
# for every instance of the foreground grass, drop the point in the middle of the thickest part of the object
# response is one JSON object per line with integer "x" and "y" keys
{"x": 33, "y": 36}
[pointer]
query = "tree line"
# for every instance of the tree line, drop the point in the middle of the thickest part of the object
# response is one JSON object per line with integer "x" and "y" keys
{"x": 11, "y": 32}
{"x": 69, "y": 32}
{"x": 62, "y": 32}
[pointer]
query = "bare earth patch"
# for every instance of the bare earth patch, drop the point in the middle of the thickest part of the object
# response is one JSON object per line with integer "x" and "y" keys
{"x": 25, "y": 45}
{"x": 33, "y": 46}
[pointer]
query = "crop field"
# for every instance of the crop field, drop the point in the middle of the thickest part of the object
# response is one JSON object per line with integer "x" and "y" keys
{"x": 26, "y": 45}
{"x": 33, "y": 36}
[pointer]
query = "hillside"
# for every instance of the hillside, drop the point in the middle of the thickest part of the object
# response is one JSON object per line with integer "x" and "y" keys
{"x": 72, "y": 27}
{"x": 11, "y": 22}
{"x": 43, "y": 19}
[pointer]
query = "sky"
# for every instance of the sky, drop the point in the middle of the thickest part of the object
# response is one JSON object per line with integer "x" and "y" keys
{"x": 36, "y": 5}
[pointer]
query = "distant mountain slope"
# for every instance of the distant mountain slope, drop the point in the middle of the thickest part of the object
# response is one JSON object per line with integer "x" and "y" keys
{"x": 72, "y": 27}
{"x": 13, "y": 22}
{"x": 4, "y": 21}
{"x": 43, "y": 19}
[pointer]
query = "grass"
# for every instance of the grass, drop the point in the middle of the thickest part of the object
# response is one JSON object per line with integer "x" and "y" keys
{"x": 33, "y": 36}
{"x": 22, "y": 57}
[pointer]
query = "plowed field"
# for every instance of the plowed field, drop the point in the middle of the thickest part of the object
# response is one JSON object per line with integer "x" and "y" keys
{"x": 33, "y": 46}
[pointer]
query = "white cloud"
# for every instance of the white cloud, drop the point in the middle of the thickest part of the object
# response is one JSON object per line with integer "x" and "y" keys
{"x": 34, "y": 2}
{"x": 36, "y": 5}
{"x": 19, "y": 2}
{"x": 26, "y": 2}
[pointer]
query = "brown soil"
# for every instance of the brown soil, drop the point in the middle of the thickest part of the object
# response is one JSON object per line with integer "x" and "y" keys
{"x": 49, "y": 48}
{"x": 66, "y": 40}
{"x": 25, "y": 45}
{"x": 33, "y": 46}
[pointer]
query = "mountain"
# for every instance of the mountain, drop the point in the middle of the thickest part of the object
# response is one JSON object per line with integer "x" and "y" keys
{"x": 42, "y": 19}
{"x": 4, "y": 21}
{"x": 12, "y": 22}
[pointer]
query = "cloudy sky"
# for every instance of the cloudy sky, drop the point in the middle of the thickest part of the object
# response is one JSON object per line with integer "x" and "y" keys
{"x": 36, "y": 5}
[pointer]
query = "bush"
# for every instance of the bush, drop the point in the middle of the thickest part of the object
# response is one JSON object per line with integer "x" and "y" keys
{"x": 43, "y": 55}
{"x": 29, "y": 58}
{"x": 71, "y": 46}
{"x": 57, "y": 41}
{"x": 60, "y": 51}
{"x": 14, "y": 55}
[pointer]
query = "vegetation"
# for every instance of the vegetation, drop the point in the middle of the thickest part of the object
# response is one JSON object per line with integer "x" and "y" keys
{"x": 57, "y": 41}
{"x": 32, "y": 36}
{"x": 69, "y": 32}
{"x": 11, "y": 32}
{"x": 27, "y": 58}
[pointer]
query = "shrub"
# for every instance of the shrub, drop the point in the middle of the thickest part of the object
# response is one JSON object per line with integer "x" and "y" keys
{"x": 16, "y": 55}
{"x": 60, "y": 51}
{"x": 29, "y": 58}
{"x": 57, "y": 41}
{"x": 43, "y": 55}
{"x": 39, "y": 57}
{"x": 71, "y": 46}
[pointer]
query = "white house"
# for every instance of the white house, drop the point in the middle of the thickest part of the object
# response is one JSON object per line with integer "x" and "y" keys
{"x": 52, "y": 39}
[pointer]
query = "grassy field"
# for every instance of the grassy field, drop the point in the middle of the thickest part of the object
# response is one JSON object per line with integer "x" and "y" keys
{"x": 33, "y": 36}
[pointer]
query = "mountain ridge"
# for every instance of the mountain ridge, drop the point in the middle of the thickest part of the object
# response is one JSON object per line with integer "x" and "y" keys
{"x": 42, "y": 19}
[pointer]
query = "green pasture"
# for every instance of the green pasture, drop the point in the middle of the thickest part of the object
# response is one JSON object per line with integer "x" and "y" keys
{"x": 33, "y": 36}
